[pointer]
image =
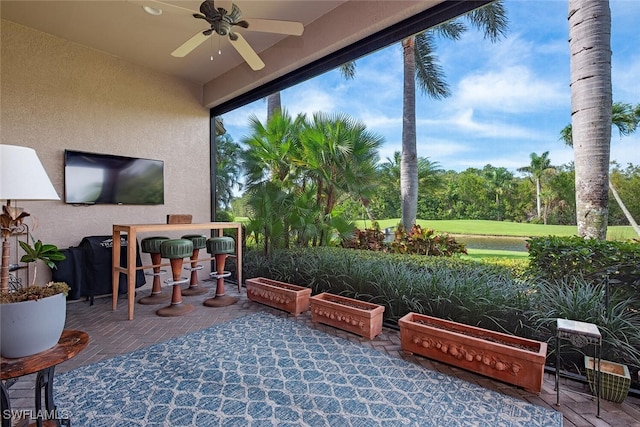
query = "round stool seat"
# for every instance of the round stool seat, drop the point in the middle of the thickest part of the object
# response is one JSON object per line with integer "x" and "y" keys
{"x": 221, "y": 245}
{"x": 151, "y": 245}
{"x": 176, "y": 248}
{"x": 199, "y": 241}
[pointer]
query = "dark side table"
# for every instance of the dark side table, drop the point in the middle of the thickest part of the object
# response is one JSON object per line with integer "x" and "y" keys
{"x": 580, "y": 334}
{"x": 70, "y": 344}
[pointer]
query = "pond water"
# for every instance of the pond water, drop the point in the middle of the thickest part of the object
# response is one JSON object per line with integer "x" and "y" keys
{"x": 494, "y": 243}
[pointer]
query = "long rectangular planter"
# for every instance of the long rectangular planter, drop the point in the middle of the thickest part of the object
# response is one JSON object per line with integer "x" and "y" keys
{"x": 284, "y": 296}
{"x": 508, "y": 358}
{"x": 349, "y": 314}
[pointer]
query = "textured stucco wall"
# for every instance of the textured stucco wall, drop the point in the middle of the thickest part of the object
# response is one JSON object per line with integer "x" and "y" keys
{"x": 56, "y": 95}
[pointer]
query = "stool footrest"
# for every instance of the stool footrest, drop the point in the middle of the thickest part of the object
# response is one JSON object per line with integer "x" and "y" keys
{"x": 177, "y": 282}
{"x": 220, "y": 276}
{"x": 159, "y": 273}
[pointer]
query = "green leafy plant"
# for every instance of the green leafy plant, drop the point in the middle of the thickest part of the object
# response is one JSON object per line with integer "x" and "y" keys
{"x": 47, "y": 253}
{"x": 425, "y": 242}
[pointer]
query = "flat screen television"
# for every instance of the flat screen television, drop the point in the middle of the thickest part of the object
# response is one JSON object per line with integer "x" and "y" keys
{"x": 93, "y": 178}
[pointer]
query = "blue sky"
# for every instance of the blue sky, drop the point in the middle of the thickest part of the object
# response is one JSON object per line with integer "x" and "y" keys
{"x": 508, "y": 99}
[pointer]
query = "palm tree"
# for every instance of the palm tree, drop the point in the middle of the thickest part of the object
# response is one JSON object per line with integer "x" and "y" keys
{"x": 626, "y": 118}
{"x": 500, "y": 181}
{"x": 421, "y": 65}
{"x": 227, "y": 169}
{"x": 540, "y": 165}
{"x": 339, "y": 156}
{"x": 623, "y": 116}
{"x": 270, "y": 174}
{"x": 274, "y": 102}
{"x": 591, "y": 107}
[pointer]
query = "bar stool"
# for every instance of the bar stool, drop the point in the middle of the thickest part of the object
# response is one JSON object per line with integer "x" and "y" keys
{"x": 220, "y": 248}
{"x": 199, "y": 242}
{"x": 176, "y": 250}
{"x": 151, "y": 245}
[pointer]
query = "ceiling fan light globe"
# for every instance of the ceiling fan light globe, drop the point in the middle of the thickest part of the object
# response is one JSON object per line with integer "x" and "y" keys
{"x": 152, "y": 10}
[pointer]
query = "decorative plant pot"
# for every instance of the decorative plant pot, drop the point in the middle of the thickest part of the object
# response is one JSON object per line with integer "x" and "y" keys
{"x": 30, "y": 327}
{"x": 352, "y": 315}
{"x": 615, "y": 379}
{"x": 504, "y": 357}
{"x": 284, "y": 296}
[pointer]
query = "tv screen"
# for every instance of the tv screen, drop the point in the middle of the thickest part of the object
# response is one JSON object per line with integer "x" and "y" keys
{"x": 92, "y": 178}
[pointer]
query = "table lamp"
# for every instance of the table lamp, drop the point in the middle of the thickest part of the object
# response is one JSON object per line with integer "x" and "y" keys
{"x": 22, "y": 177}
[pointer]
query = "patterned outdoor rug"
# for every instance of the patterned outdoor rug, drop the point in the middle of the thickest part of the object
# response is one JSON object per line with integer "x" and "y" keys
{"x": 264, "y": 370}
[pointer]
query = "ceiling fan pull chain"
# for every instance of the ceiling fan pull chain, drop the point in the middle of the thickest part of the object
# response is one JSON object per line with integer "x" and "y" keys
{"x": 212, "y": 48}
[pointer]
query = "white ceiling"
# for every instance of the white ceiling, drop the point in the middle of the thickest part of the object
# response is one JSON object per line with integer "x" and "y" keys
{"x": 121, "y": 28}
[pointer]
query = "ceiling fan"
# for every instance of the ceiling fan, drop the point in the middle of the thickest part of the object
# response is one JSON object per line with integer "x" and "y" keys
{"x": 221, "y": 17}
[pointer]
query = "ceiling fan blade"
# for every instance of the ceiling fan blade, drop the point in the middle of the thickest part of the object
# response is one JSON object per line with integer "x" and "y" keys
{"x": 165, "y": 7}
{"x": 273, "y": 26}
{"x": 189, "y": 45}
{"x": 247, "y": 52}
{"x": 224, "y": 4}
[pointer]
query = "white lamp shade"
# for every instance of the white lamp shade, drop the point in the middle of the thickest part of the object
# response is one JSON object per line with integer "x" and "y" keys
{"x": 22, "y": 176}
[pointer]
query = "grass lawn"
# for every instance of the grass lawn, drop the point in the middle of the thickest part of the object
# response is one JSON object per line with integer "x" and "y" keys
{"x": 502, "y": 228}
{"x": 491, "y": 253}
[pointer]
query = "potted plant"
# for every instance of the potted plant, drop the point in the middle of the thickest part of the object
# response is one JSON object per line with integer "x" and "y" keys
{"x": 33, "y": 316}
{"x": 615, "y": 380}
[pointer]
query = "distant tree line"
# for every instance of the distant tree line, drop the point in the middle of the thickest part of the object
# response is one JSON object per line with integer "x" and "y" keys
{"x": 300, "y": 159}
{"x": 495, "y": 193}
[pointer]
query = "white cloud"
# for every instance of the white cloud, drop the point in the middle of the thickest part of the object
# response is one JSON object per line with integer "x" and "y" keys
{"x": 624, "y": 75}
{"x": 514, "y": 89}
{"x": 240, "y": 117}
{"x": 308, "y": 99}
{"x": 626, "y": 149}
{"x": 464, "y": 122}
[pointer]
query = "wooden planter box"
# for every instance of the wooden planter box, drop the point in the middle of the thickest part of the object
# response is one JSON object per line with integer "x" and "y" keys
{"x": 284, "y": 296}
{"x": 352, "y": 315}
{"x": 504, "y": 357}
{"x": 615, "y": 378}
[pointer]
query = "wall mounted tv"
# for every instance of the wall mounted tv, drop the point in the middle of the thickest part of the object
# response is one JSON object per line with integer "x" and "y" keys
{"x": 92, "y": 178}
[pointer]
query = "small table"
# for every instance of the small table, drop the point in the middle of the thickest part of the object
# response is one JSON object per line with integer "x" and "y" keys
{"x": 70, "y": 344}
{"x": 580, "y": 334}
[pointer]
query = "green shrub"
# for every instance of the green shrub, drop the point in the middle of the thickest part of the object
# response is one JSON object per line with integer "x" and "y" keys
{"x": 518, "y": 268}
{"x": 371, "y": 239}
{"x": 577, "y": 299}
{"x": 558, "y": 258}
{"x": 425, "y": 242}
{"x": 461, "y": 290}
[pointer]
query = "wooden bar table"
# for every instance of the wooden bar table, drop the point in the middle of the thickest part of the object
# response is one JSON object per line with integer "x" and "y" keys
{"x": 132, "y": 231}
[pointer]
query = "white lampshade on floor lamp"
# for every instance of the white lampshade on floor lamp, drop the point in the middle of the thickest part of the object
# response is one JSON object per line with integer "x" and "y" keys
{"x": 22, "y": 177}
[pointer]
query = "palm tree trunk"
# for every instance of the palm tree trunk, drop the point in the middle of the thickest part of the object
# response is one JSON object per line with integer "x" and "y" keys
{"x": 538, "y": 201}
{"x": 627, "y": 214}
{"x": 274, "y": 104}
{"x": 591, "y": 105}
{"x": 409, "y": 159}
